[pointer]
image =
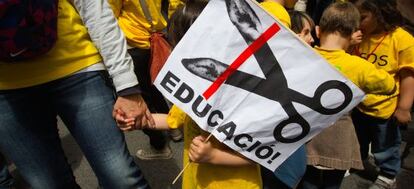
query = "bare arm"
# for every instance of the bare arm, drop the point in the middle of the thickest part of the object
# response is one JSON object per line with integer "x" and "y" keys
{"x": 405, "y": 101}
{"x": 203, "y": 152}
{"x": 160, "y": 122}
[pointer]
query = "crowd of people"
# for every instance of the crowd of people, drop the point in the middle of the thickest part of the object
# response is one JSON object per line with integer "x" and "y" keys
{"x": 97, "y": 79}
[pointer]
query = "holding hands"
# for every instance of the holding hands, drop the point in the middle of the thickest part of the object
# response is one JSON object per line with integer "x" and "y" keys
{"x": 131, "y": 112}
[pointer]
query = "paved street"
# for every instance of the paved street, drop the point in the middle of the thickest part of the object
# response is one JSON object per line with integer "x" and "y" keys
{"x": 161, "y": 173}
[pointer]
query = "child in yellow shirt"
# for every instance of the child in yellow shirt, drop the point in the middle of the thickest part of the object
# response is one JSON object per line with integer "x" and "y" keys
{"x": 335, "y": 149}
{"x": 388, "y": 47}
{"x": 213, "y": 165}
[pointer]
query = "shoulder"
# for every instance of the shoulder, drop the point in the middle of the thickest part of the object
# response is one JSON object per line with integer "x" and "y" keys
{"x": 401, "y": 32}
{"x": 278, "y": 11}
{"x": 402, "y": 38}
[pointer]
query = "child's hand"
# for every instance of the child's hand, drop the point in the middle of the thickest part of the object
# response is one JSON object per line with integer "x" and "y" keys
{"x": 403, "y": 116}
{"x": 200, "y": 151}
{"x": 356, "y": 37}
{"x": 124, "y": 123}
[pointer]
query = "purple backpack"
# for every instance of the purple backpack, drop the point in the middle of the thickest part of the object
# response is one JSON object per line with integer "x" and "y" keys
{"x": 28, "y": 28}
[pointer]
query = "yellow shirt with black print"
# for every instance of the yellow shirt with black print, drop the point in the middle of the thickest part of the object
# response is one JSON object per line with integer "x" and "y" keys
{"x": 359, "y": 71}
{"x": 208, "y": 176}
{"x": 393, "y": 51}
{"x": 72, "y": 52}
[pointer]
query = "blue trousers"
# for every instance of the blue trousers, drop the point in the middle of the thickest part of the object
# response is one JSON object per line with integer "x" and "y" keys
{"x": 385, "y": 139}
{"x": 84, "y": 101}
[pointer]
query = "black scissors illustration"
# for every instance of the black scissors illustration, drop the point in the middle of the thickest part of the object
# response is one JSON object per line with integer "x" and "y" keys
{"x": 275, "y": 86}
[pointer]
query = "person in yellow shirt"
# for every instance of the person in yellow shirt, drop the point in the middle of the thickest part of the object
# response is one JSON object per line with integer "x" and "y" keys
{"x": 72, "y": 81}
{"x": 388, "y": 47}
{"x": 336, "y": 148}
{"x": 138, "y": 19}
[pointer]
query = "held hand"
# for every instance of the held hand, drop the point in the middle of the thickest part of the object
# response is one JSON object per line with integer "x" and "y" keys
{"x": 134, "y": 107}
{"x": 200, "y": 151}
{"x": 403, "y": 116}
{"x": 124, "y": 123}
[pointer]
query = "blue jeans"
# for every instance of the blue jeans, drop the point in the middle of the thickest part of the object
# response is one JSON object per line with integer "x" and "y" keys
{"x": 6, "y": 180}
{"x": 385, "y": 139}
{"x": 84, "y": 101}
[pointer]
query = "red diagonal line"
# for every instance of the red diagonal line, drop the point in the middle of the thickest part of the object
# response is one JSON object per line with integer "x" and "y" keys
{"x": 251, "y": 49}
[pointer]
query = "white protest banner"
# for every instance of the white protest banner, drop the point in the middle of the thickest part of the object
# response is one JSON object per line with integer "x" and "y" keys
{"x": 242, "y": 76}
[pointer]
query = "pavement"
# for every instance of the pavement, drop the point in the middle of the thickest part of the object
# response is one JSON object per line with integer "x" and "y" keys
{"x": 160, "y": 173}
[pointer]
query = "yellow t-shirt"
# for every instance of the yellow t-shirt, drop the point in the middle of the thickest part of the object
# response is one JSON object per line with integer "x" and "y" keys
{"x": 133, "y": 22}
{"x": 278, "y": 11}
{"x": 72, "y": 52}
{"x": 359, "y": 71}
{"x": 392, "y": 53}
{"x": 208, "y": 176}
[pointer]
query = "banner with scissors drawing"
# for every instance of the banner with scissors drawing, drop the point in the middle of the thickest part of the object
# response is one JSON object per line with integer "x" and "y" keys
{"x": 244, "y": 77}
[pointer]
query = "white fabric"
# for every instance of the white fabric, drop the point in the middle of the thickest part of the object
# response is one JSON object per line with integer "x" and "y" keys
{"x": 246, "y": 120}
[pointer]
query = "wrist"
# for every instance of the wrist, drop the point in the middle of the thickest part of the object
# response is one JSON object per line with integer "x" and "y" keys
{"x": 135, "y": 90}
{"x": 403, "y": 108}
{"x": 212, "y": 158}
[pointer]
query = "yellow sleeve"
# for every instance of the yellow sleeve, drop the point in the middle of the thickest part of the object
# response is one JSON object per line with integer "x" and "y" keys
{"x": 405, "y": 50}
{"x": 176, "y": 118}
{"x": 116, "y": 6}
{"x": 375, "y": 81}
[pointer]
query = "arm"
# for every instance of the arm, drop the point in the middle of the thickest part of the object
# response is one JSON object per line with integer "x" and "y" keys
{"x": 160, "y": 122}
{"x": 375, "y": 81}
{"x": 405, "y": 101}
{"x": 104, "y": 31}
{"x": 107, "y": 36}
{"x": 202, "y": 151}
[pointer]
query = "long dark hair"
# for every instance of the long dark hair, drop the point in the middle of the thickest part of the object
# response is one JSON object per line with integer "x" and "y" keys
{"x": 183, "y": 18}
{"x": 385, "y": 11}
